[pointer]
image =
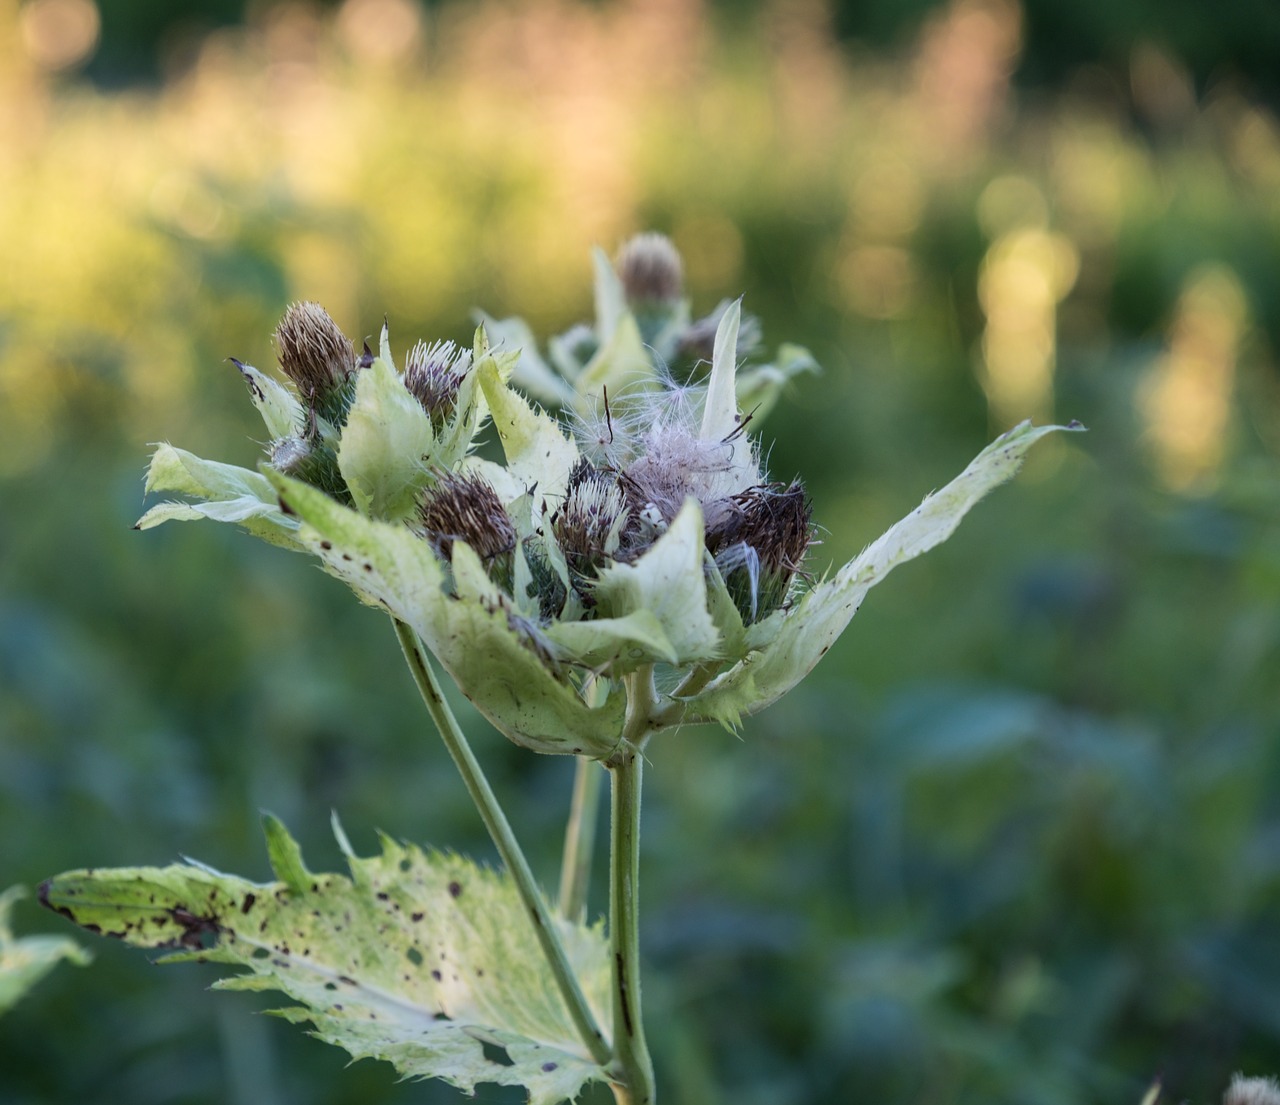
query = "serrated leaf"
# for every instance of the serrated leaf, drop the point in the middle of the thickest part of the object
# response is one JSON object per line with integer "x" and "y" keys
{"x": 233, "y": 495}
{"x": 386, "y": 445}
{"x": 281, "y": 412}
{"x": 530, "y": 372}
{"x": 668, "y": 582}
{"x": 25, "y": 961}
{"x": 494, "y": 660}
{"x": 418, "y": 958}
{"x": 538, "y": 453}
{"x": 797, "y": 640}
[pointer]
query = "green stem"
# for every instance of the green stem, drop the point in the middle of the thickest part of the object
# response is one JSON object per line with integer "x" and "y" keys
{"x": 635, "y": 1085}
{"x": 579, "y": 841}
{"x": 504, "y": 839}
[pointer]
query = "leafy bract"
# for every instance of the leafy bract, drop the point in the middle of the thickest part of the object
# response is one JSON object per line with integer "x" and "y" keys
{"x": 538, "y": 453}
{"x": 386, "y": 444}
{"x": 419, "y": 958}
{"x": 25, "y": 961}
{"x": 667, "y": 581}
{"x": 788, "y": 644}
{"x": 231, "y": 494}
{"x": 492, "y": 656}
{"x": 281, "y": 412}
{"x": 530, "y": 372}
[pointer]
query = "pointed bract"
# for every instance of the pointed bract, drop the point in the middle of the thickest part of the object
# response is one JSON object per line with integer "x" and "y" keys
{"x": 799, "y": 638}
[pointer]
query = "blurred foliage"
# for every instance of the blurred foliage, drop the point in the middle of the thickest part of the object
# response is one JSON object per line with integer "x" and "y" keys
{"x": 1018, "y": 838}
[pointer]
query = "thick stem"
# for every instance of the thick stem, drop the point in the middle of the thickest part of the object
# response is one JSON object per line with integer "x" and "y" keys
{"x": 626, "y": 770}
{"x": 504, "y": 839}
{"x": 579, "y": 841}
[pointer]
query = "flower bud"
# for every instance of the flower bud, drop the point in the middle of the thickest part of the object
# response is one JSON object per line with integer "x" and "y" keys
{"x": 590, "y": 525}
{"x": 319, "y": 358}
{"x": 433, "y": 374}
{"x": 459, "y": 507}
{"x": 759, "y": 540}
{"x": 651, "y": 272}
{"x": 312, "y": 462}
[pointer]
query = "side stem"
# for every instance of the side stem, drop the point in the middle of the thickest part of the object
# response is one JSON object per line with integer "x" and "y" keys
{"x": 635, "y": 1085}
{"x": 504, "y": 839}
{"x": 579, "y": 841}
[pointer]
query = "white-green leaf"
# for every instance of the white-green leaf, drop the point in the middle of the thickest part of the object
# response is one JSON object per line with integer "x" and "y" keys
{"x": 538, "y": 453}
{"x": 421, "y": 959}
{"x": 496, "y": 660}
{"x": 624, "y": 643}
{"x": 720, "y": 415}
{"x": 610, "y": 297}
{"x": 621, "y": 365}
{"x": 234, "y": 495}
{"x": 801, "y": 637}
{"x": 281, "y": 412}
{"x": 386, "y": 445}
{"x": 531, "y": 373}
{"x": 25, "y": 961}
{"x": 668, "y": 582}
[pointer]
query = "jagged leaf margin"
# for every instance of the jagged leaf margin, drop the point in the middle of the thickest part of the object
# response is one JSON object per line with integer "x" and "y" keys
{"x": 25, "y": 961}
{"x": 421, "y": 958}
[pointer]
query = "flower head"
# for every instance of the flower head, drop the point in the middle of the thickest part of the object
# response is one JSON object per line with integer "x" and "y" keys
{"x": 648, "y": 537}
{"x": 318, "y": 357}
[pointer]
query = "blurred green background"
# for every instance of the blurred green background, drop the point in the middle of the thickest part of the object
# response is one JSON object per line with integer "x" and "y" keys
{"x": 1018, "y": 837}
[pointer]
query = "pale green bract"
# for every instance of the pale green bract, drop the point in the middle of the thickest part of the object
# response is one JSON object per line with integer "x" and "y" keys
{"x": 419, "y": 958}
{"x": 25, "y": 961}
{"x": 785, "y": 647}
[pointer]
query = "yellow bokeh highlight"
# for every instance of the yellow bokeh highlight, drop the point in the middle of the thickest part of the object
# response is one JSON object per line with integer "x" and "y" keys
{"x": 1025, "y": 274}
{"x": 1187, "y": 396}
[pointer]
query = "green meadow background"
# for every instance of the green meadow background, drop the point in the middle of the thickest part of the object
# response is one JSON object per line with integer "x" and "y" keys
{"x": 1017, "y": 839}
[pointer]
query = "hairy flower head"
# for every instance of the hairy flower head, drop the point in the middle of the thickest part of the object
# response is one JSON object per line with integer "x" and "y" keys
{"x": 318, "y": 357}
{"x": 433, "y": 375}
{"x": 461, "y": 507}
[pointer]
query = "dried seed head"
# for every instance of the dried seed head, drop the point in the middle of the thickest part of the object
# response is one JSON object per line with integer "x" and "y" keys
{"x": 317, "y": 356}
{"x": 759, "y": 540}
{"x": 433, "y": 374}
{"x": 650, "y": 269}
{"x": 677, "y": 463}
{"x": 1252, "y": 1091}
{"x": 466, "y": 508}
{"x": 589, "y": 527}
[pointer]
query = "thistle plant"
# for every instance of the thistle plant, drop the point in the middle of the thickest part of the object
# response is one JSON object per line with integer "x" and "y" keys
{"x": 629, "y": 570}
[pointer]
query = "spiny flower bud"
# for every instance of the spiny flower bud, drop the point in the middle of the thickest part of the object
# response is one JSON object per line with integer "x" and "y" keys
{"x": 759, "y": 539}
{"x": 460, "y": 507}
{"x": 650, "y": 269}
{"x": 319, "y": 358}
{"x": 311, "y": 461}
{"x": 1252, "y": 1091}
{"x": 433, "y": 374}
{"x": 590, "y": 525}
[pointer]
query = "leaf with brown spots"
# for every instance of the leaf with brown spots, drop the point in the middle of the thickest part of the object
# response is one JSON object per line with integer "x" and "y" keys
{"x": 420, "y": 958}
